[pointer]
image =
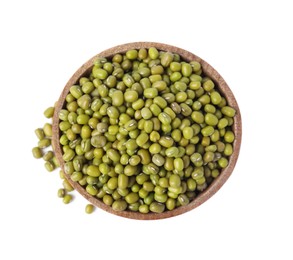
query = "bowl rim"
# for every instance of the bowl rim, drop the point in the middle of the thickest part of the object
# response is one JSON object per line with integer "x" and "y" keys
{"x": 208, "y": 70}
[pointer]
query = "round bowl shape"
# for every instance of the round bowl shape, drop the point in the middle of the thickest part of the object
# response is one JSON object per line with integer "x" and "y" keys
{"x": 209, "y": 71}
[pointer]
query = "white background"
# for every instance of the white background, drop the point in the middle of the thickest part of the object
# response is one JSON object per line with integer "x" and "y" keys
{"x": 248, "y": 42}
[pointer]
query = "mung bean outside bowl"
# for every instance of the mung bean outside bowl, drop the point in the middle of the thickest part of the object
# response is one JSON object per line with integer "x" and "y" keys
{"x": 208, "y": 71}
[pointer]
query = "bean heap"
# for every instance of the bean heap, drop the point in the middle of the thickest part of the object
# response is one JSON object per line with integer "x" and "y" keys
{"x": 145, "y": 131}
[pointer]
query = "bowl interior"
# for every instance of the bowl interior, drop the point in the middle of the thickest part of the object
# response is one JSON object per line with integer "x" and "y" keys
{"x": 209, "y": 71}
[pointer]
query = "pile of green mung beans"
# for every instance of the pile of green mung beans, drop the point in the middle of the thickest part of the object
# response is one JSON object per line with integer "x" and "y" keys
{"x": 145, "y": 131}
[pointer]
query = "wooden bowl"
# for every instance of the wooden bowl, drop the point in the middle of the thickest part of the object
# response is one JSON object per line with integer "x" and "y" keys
{"x": 208, "y": 70}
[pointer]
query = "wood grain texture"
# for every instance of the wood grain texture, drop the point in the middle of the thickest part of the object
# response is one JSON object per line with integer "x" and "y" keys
{"x": 208, "y": 70}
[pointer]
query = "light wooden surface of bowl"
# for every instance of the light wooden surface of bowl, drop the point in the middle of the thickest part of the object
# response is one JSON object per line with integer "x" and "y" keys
{"x": 209, "y": 71}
